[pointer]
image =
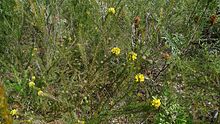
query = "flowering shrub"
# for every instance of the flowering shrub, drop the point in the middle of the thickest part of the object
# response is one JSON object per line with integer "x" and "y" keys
{"x": 94, "y": 61}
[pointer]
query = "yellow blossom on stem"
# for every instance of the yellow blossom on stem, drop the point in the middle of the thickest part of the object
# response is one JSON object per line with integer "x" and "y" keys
{"x": 33, "y": 78}
{"x": 156, "y": 103}
{"x": 139, "y": 77}
{"x": 14, "y": 112}
{"x": 111, "y": 10}
{"x": 116, "y": 51}
{"x": 35, "y": 49}
{"x": 31, "y": 84}
{"x": 40, "y": 93}
{"x": 81, "y": 122}
{"x": 132, "y": 56}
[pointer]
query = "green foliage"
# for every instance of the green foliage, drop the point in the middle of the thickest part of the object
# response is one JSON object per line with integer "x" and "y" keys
{"x": 172, "y": 111}
{"x": 66, "y": 45}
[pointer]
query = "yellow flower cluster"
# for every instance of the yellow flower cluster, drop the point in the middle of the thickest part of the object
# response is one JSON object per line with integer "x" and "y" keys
{"x": 156, "y": 103}
{"x": 132, "y": 56}
{"x": 31, "y": 84}
{"x": 139, "y": 78}
{"x": 111, "y": 10}
{"x": 34, "y": 51}
{"x": 116, "y": 51}
{"x": 14, "y": 112}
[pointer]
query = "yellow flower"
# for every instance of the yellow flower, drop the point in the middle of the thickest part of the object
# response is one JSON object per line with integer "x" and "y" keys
{"x": 14, "y": 112}
{"x": 116, "y": 51}
{"x": 29, "y": 121}
{"x": 139, "y": 77}
{"x": 35, "y": 49}
{"x": 31, "y": 84}
{"x": 33, "y": 78}
{"x": 156, "y": 103}
{"x": 111, "y": 10}
{"x": 81, "y": 122}
{"x": 132, "y": 56}
{"x": 139, "y": 94}
{"x": 40, "y": 93}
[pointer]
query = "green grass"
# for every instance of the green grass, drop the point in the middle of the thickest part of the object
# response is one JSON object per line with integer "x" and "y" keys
{"x": 66, "y": 45}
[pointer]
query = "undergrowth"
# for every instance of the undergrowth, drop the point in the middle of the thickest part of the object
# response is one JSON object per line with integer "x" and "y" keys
{"x": 110, "y": 61}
